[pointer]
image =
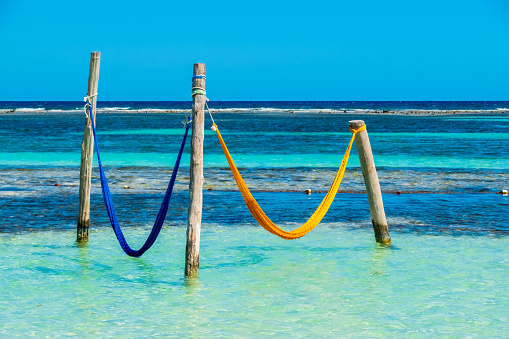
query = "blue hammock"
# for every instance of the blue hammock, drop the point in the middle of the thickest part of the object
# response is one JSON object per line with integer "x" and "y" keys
{"x": 111, "y": 210}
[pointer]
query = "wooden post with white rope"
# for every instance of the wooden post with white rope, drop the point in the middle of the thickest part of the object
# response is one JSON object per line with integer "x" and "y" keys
{"x": 87, "y": 151}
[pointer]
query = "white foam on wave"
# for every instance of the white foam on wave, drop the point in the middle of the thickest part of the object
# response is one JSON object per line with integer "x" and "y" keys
{"x": 266, "y": 110}
{"x": 233, "y": 109}
{"x": 176, "y": 110}
{"x": 277, "y": 110}
{"x": 143, "y": 110}
{"x": 28, "y": 109}
{"x": 115, "y": 108}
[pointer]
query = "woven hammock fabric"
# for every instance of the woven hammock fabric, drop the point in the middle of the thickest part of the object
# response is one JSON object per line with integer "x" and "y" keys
{"x": 111, "y": 210}
{"x": 258, "y": 213}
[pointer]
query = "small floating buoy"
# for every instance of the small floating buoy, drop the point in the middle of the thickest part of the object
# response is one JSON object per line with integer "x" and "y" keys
{"x": 398, "y": 192}
{"x": 504, "y": 192}
{"x": 308, "y": 191}
{"x": 57, "y": 184}
{"x": 210, "y": 189}
{"x": 126, "y": 187}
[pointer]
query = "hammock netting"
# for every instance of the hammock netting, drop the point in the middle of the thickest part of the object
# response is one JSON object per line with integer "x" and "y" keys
{"x": 262, "y": 218}
{"x": 111, "y": 210}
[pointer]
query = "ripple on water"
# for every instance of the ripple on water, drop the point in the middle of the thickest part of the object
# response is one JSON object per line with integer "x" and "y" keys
{"x": 335, "y": 281}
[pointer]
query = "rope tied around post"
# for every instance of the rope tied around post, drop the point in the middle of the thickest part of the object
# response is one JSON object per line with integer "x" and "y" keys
{"x": 87, "y": 100}
{"x": 358, "y": 130}
{"x": 262, "y": 218}
{"x": 199, "y": 90}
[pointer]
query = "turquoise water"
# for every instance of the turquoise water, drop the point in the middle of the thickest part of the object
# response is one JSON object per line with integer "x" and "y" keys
{"x": 444, "y": 275}
{"x": 333, "y": 282}
{"x": 53, "y": 159}
{"x": 393, "y": 135}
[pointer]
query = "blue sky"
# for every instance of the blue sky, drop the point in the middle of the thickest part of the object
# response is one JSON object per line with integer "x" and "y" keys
{"x": 257, "y": 50}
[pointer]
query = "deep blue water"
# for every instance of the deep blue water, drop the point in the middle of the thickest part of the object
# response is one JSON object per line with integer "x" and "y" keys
{"x": 463, "y": 154}
{"x": 289, "y": 105}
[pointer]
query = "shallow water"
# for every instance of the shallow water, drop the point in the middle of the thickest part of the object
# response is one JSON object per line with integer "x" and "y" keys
{"x": 333, "y": 282}
{"x": 444, "y": 275}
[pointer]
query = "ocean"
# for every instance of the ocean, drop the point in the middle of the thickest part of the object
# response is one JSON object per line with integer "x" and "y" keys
{"x": 441, "y": 165}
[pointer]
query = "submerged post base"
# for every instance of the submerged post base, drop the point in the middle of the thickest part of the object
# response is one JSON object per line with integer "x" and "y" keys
{"x": 381, "y": 233}
{"x": 83, "y": 231}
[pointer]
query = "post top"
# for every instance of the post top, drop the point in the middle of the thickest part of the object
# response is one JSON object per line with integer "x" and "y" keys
{"x": 356, "y": 124}
{"x": 199, "y": 69}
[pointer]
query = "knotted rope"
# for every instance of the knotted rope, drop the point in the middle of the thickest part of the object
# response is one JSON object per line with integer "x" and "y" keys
{"x": 87, "y": 100}
{"x": 199, "y": 90}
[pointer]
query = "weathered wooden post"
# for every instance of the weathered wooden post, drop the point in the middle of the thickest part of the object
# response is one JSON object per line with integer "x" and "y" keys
{"x": 196, "y": 172}
{"x": 87, "y": 151}
{"x": 376, "y": 205}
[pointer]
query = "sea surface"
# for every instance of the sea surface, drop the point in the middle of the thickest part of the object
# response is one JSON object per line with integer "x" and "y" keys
{"x": 262, "y": 106}
{"x": 441, "y": 165}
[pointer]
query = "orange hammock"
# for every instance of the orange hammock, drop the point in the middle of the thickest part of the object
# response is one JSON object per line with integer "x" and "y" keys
{"x": 258, "y": 213}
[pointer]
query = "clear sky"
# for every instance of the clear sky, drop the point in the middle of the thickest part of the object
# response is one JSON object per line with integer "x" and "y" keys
{"x": 257, "y": 50}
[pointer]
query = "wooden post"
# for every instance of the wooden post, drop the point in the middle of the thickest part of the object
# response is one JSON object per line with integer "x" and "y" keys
{"x": 376, "y": 205}
{"x": 87, "y": 151}
{"x": 196, "y": 173}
